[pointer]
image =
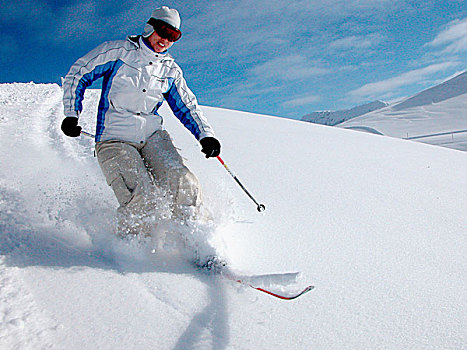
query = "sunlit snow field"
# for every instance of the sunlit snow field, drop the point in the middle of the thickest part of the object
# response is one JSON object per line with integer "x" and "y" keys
{"x": 377, "y": 224}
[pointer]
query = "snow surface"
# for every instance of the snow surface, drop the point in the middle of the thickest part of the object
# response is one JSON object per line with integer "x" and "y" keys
{"x": 377, "y": 224}
{"x": 436, "y": 116}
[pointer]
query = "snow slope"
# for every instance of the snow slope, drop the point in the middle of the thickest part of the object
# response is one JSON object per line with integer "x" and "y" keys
{"x": 377, "y": 224}
{"x": 436, "y": 116}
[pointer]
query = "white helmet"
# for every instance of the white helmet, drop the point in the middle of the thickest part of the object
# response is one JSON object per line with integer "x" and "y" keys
{"x": 168, "y": 15}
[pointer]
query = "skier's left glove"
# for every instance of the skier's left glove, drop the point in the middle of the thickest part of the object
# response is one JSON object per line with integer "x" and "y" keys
{"x": 70, "y": 127}
{"x": 210, "y": 146}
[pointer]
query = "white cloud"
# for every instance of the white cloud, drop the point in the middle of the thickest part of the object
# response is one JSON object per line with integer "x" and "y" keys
{"x": 453, "y": 37}
{"x": 357, "y": 42}
{"x": 301, "y": 101}
{"x": 237, "y": 26}
{"x": 383, "y": 87}
{"x": 288, "y": 68}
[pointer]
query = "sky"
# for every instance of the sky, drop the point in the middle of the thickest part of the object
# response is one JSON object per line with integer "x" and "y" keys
{"x": 263, "y": 56}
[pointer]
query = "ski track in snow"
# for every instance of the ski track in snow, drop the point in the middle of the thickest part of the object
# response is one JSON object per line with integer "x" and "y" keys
{"x": 24, "y": 324}
{"x": 384, "y": 280}
{"x": 44, "y": 229}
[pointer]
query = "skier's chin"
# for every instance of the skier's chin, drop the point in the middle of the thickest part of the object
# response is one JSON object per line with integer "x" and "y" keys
{"x": 161, "y": 47}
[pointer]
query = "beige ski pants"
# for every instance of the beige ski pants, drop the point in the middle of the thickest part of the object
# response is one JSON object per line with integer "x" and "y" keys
{"x": 141, "y": 175}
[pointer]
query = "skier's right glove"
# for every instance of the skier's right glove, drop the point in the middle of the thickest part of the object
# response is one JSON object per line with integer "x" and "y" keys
{"x": 70, "y": 127}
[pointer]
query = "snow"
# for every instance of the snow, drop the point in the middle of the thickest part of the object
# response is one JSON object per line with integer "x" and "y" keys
{"x": 436, "y": 116}
{"x": 377, "y": 224}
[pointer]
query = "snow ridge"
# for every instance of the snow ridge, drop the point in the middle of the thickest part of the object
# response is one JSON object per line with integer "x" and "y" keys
{"x": 449, "y": 89}
{"x": 335, "y": 117}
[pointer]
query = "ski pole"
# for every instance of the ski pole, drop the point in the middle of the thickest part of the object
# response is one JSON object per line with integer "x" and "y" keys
{"x": 259, "y": 207}
{"x": 87, "y": 134}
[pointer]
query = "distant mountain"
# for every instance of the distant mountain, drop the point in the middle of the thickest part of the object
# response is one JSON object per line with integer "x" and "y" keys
{"x": 437, "y": 115}
{"x": 449, "y": 89}
{"x": 336, "y": 117}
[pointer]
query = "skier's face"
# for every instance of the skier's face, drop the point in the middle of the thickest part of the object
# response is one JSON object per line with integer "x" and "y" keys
{"x": 159, "y": 44}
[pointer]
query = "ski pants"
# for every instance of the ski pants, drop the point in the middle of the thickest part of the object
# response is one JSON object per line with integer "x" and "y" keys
{"x": 141, "y": 175}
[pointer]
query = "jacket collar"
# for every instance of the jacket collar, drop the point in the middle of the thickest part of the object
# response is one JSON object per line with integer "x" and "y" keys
{"x": 145, "y": 49}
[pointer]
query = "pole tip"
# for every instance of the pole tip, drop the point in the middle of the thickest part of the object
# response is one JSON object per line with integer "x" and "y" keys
{"x": 261, "y": 207}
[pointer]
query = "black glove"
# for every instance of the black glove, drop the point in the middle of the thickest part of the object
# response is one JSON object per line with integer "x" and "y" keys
{"x": 70, "y": 127}
{"x": 210, "y": 146}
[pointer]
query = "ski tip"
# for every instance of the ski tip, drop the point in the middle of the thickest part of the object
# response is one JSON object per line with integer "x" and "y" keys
{"x": 304, "y": 291}
{"x": 285, "y": 297}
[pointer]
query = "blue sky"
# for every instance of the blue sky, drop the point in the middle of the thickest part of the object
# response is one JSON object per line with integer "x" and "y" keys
{"x": 264, "y": 56}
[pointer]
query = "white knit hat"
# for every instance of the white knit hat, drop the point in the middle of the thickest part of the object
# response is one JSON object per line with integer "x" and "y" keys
{"x": 168, "y": 15}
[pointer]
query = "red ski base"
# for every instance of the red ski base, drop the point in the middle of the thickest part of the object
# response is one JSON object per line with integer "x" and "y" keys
{"x": 284, "y": 297}
{"x": 274, "y": 294}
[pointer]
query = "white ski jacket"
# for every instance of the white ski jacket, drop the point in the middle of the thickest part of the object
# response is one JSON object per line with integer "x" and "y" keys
{"x": 136, "y": 80}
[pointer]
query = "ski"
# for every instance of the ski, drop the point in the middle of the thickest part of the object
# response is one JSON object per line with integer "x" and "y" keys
{"x": 246, "y": 281}
{"x": 285, "y": 297}
{"x": 288, "y": 296}
{"x": 261, "y": 283}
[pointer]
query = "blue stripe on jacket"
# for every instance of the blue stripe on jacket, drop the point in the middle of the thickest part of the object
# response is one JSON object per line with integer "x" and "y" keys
{"x": 108, "y": 71}
{"x": 180, "y": 110}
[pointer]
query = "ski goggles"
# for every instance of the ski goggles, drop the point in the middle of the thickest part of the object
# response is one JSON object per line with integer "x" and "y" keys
{"x": 165, "y": 30}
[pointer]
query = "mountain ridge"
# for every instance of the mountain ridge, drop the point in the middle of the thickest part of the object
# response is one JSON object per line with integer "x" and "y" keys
{"x": 332, "y": 118}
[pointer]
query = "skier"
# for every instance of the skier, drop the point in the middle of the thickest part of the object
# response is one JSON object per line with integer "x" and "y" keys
{"x": 134, "y": 151}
